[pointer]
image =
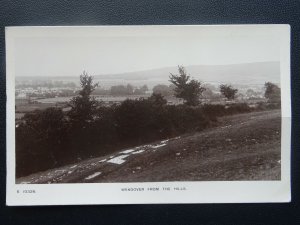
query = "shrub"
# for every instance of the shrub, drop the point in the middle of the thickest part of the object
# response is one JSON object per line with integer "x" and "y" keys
{"x": 274, "y": 105}
{"x": 213, "y": 111}
{"x": 183, "y": 118}
{"x": 272, "y": 92}
{"x": 142, "y": 120}
{"x": 41, "y": 141}
{"x": 237, "y": 108}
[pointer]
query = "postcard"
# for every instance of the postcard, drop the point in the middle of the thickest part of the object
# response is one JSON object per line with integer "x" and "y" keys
{"x": 148, "y": 114}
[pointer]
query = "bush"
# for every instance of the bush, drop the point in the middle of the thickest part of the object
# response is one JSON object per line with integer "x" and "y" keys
{"x": 213, "y": 111}
{"x": 183, "y": 118}
{"x": 142, "y": 120}
{"x": 274, "y": 105}
{"x": 267, "y": 106}
{"x": 261, "y": 106}
{"x": 133, "y": 117}
{"x": 237, "y": 108}
{"x": 41, "y": 141}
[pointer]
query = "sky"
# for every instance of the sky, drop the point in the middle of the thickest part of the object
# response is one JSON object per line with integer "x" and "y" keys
{"x": 70, "y": 55}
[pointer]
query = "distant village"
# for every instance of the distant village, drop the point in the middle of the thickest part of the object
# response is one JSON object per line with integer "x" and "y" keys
{"x": 30, "y": 92}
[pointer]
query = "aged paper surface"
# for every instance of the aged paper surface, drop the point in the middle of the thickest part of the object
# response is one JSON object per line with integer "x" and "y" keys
{"x": 148, "y": 114}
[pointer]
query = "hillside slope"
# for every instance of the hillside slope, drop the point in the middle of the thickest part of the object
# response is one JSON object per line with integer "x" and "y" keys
{"x": 240, "y": 147}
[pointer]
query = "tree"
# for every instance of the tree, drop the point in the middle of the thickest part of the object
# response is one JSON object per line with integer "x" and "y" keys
{"x": 118, "y": 90}
{"x": 163, "y": 90}
{"x": 81, "y": 116}
{"x": 250, "y": 93}
{"x": 144, "y": 88}
{"x": 188, "y": 89}
{"x": 157, "y": 100}
{"x": 122, "y": 90}
{"x": 228, "y": 91}
{"x": 208, "y": 93}
{"x": 84, "y": 105}
{"x": 141, "y": 90}
{"x": 129, "y": 88}
{"x": 272, "y": 92}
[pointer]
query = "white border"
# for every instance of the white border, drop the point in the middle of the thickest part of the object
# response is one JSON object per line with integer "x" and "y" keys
{"x": 110, "y": 193}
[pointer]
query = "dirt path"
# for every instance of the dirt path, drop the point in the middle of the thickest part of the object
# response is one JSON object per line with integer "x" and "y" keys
{"x": 240, "y": 147}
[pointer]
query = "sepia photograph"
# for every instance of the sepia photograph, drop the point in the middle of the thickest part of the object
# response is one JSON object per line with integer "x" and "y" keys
{"x": 148, "y": 104}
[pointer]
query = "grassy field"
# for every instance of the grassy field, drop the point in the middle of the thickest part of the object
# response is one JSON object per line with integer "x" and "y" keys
{"x": 43, "y": 103}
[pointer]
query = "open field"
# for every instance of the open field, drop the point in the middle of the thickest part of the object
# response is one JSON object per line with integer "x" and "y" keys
{"x": 239, "y": 147}
{"x": 31, "y": 107}
{"x": 43, "y": 103}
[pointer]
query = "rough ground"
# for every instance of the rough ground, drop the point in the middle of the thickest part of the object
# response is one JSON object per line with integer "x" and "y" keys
{"x": 239, "y": 147}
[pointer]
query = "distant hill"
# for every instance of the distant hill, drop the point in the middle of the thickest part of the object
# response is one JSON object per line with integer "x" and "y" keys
{"x": 235, "y": 73}
{"x": 248, "y": 73}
